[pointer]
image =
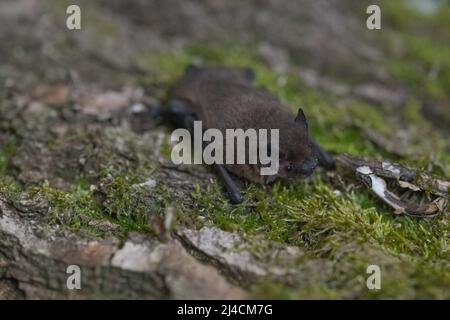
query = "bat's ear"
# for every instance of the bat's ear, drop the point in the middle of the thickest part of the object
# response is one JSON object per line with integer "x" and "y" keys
{"x": 301, "y": 118}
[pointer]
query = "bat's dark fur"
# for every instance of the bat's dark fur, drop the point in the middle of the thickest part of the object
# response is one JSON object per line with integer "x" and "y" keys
{"x": 224, "y": 98}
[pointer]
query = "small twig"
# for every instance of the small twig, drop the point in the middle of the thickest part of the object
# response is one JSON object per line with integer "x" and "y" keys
{"x": 374, "y": 174}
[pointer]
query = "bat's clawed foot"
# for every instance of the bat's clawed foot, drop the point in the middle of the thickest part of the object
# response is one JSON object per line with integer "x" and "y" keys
{"x": 325, "y": 159}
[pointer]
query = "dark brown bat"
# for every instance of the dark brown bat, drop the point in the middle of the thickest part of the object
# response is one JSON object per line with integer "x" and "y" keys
{"x": 224, "y": 98}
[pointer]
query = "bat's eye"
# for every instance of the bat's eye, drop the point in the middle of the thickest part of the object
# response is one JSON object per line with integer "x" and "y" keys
{"x": 289, "y": 167}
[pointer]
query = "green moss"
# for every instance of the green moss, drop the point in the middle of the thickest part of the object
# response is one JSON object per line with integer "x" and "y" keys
{"x": 258, "y": 214}
{"x": 329, "y": 217}
{"x": 314, "y": 215}
{"x": 68, "y": 207}
{"x": 7, "y": 151}
{"x": 352, "y": 231}
{"x": 349, "y": 227}
{"x": 418, "y": 53}
{"x": 399, "y": 280}
{"x": 166, "y": 148}
{"x": 119, "y": 162}
{"x": 110, "y": 192}
{"x": 424, "y": 65}
{"x": 76, "y": 208}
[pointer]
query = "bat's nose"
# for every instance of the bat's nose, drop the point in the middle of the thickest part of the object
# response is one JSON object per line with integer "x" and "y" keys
{"x": 308, "y": 166}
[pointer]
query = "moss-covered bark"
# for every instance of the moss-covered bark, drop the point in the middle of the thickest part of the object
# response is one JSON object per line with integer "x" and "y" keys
{"x": 86, "y": 177}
